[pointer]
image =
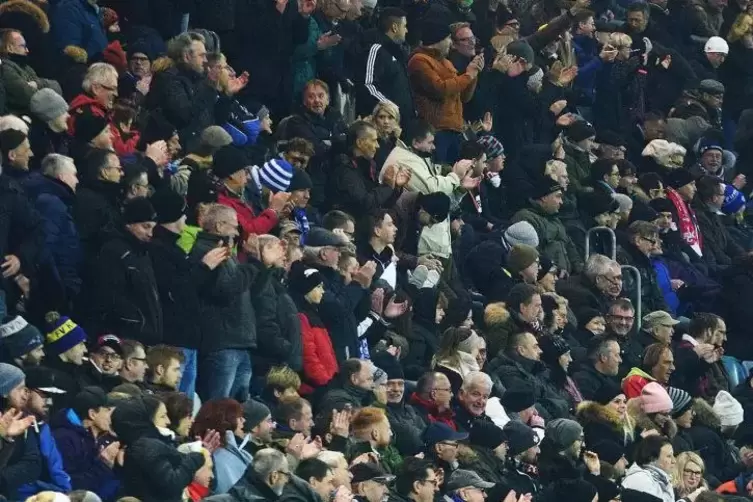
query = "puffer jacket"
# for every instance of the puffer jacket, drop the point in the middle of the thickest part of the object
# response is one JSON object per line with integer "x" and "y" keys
{"x": 17, "y": 74}
{"x": 602, "y": 423}
{"x": 578, "y": 166}
{"x": 554, "y": 243}
{"x": 650, "y": 480}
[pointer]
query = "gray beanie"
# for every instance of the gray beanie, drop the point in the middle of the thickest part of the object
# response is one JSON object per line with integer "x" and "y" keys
{"x": 563, "y": 432}
{"x": 215, "y": 137}
{"x": 522, "y": 232}
{"x": 10, "y": 378}
{"x": 47, "y": 105}
{"x": 254, "y": 412}
{"x": 89, "y": 497}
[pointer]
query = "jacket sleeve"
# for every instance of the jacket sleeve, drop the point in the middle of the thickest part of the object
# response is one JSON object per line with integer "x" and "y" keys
{"x": 270, "y": 341}
{"x": 67, "y": 27}
{"x": 354, "y": 194}
{"x": 26, "y": 469}
{"x": 86, "y": 470}
{"x": 374, "y": 69}
{"x": 56, "y": 221}
{"x": 261, "y": 224}
{"x": 550, "y": 32}
{"x": 423, "y": 78}
{"x": 313, "y": 364}
{"x": 114, "y": 302}
{"x": 160, "y": 470}
{"x": 17, "y": 87}
{"x": 54, "y": 460}
{"x": 27, "y": 223}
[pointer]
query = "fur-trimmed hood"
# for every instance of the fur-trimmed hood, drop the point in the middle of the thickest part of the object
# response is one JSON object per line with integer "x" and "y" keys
{"x": 591, "y": 412}
{"x": 704, "y": 415}
{"x": 643, "y": 422}
{"x": 496, "y": 314}
{"x": 28, "y": 8}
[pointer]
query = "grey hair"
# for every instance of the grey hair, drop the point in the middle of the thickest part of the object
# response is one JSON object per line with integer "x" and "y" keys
{"x": 625, "y": 202}
{"x": 54, "y": 164}
{"x": 268, "y": 460}
{"x": 476, "y": 379}
{"x": 215, "y": 214}
{"x": 597, "y": 265}
{"x": 98, "y": 73}
{"x": 180, "y": 46}
{"x": 331, "y": 458}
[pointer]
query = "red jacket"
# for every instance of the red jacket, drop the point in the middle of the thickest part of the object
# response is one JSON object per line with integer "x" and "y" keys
{"x": 319, "y": 361}
{"x": 446, "y": 417}
{"x": 83, "y": 103}
{"x": 249, "y": 222}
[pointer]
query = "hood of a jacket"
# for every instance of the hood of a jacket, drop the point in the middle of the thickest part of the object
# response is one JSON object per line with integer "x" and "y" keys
{"x": 597, "y": 413}
{"x": 639, "y": 372}
{"x": 67, "y": 419}
{"x": 84, "y": 100}
{"x": 131, "y": 421}
{"x": 656, "y": 474}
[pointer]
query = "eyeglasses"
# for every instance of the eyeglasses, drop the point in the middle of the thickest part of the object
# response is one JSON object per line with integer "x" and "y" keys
{"x": 691, "y": 472}
{"x": 654, "y": 242}
{"x": 626, "y": 318}
{"x": 466, "y": 39}
{"x": 441, "y": 389}
{"x": 112, "y": 356}
{"x": 616, "y": 280}
{"x": 434, "y": 481}
{"x": 451, "y": 444}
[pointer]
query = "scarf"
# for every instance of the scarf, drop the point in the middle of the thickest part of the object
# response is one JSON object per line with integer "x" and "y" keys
{"x": 302, "y": 222}
{"x": 686, "y": 222}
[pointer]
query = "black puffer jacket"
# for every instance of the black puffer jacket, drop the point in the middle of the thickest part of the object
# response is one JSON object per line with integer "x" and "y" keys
{"x": 408, "y": 427}
{"x": 153, "y": 470}
{"x": 179, "y": 280}
{"x": 126, "y": 297}
{"x": 96, "y": 213}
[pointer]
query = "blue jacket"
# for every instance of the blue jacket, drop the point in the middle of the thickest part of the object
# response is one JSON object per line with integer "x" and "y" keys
{"x": 80, "y": 454}
{"x": 587, "y": 56}
{"x": 24, "y": 465}
{"x": 76, "y": 22}
{"x": 54, "y": 200}
{"x": 230, "y": 462}
{"x": 54, "y": 478}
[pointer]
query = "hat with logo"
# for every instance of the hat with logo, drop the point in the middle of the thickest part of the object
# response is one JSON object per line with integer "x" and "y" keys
{"x": 63, "y": 334}
{"x": 438, "y": 432}
{"x": 18, "y": 338}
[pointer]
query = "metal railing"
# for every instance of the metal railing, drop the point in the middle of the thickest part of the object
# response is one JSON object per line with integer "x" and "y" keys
{"x": 638, "y": 302}
{"x": 596, "y": 230}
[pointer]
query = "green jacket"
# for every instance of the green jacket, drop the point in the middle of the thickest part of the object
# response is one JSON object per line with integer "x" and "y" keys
{"x": 578, "y": 167}
{"x": 17, "y": 88}
{"x": 305, "y": 58}
{"x": 554, "y": 243}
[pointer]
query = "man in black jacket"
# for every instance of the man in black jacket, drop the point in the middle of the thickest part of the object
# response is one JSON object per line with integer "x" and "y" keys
{"x": 604, "y": 356}
{"x": 179, "y": 279}
{"x": 126, "y": 298}
{"x": 386, "y": 69}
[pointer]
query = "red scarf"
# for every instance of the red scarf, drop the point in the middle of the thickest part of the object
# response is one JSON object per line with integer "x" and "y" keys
{"x": 687, "y": 222}
{"x": 197, "y": 492}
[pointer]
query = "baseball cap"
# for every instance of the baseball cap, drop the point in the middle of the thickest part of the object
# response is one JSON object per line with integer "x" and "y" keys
{"x": 370, "y": 471}
{"x": 321, "y": 237}
{"x": 92, "y": 398}
{"x": 657, "y": 318}
{"x": 438, "y": 432}
{"x": 43, "y": 379}
{"x": 461, "y": 478}
{"x": 111, "y": 341}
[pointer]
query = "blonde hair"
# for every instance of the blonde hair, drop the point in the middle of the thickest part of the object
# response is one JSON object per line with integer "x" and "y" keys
{"x": 683, "y": 459}
{"x": 98, "y": 73}
{"x": 619, "y": 40}
{"x": 280, "y": 378}
{"x": 741, "y": 27}
{"x": 389, "y": 108}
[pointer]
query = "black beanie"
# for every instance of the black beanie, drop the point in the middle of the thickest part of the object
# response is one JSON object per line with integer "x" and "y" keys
{"x": 437, "y": 204}
{"x": 228, "y": 160}
{"x": 303, "y": 279}
{"x": 643, "y": 212}
{"x": 518, "y": 399}
{"x": 138, "y": 210}
{"x": 596, "y": 203}
{"x": 486, "y": 434}
{"x": 10, "y": 139}
{"x": 580, "y": 130}
{"x": 678, "y": 178}
{"x": 574, "y": 490}
{"x": 88, "y": 126}
{"x": 300, "y": 181}
{"x": 585, "y": 315}
{"x": 608, "y": 391}
{"x": 433, "y": 32}
{"x": 552, "y": 347}
{"x": 157, "y": 129}
{"x": 389, "y": 364}
{"x": 169, "y": 205}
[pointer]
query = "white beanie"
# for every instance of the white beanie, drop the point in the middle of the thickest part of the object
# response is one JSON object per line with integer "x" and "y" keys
{"x": 521, "y": 232}
{"x": 728, "y": 409}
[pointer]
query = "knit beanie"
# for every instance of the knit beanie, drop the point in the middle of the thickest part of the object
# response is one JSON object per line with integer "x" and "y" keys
{"x": 276, "y": 174}
{"x": 433, "y": 32}
{"x": 63, "y": 334}
{"x": 608, "y": 451}
{"x": 709, "y": 143}
{"x": 681, "y": 401}
{"x": 215, "y": 137}
{"x": 470, "y": 342}
{"x": 521, "y": 257}
{"x": 300, "y": 181}
{"x": 138, "y": 210}
{"x": 47, "y": 105}
{"x": 157, "y": 129}
{"x": 586, "y": 315}
{"x": 301, "y": 279}
{"x": 18, "y": 338}
{"x": 678, "y": 178}
{"x": 552, "y": 347}
{"x": 389, "y": 364}
{"x": 521, "y": 49}
{"x": 733, "y": 200}
{"x": 254, "y": 412}
{"x": 580, "y": 130}
{"x": 728, "y": 409}
{"x": 228, "y": 160}
{"x": 486, "y": 434}
{"x": 88, "y": 126}
{"x": 520, "y": 437}
{"x": 563, "y": 432}
{"x": 545, "y": 267}
{"x": 169, "y": 205}
{"x": 517, "y": 399}
{"x": 10, "y": 378}
{"x": 607, "y": 392}
{"x": 10, "y": 139}
{"x": 596, "y": 203}
{"x": 521, "y": 232}
{"x": 654, "y": 399}
{"x": 492, "y": 146}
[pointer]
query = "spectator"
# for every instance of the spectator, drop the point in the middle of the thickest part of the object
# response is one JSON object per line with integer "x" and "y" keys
{"x": 654, "y": 464}
{"x": 417, "y": 482}
{"x": 265, "y": 479}
{"x": 259, "y": 424}
{"x": 598, "y": 285}
{"x": 719, "y": 248}
{"x": 472, "y": 399}
{"x": 658, "y": 363}
{"x": 355, "y": 389}
{"x": 105, "y": 361}
{"x": 606, "y": 418}
{"x": 82, "y": 434}
{"x": 604, "y": 364}
{"x": 370, "y": 481}
{"x": 454, "y": 356}
{"x": 699, "y": 367}
{"x": 644, "y": 245}
{"x": 21, "y": 343}
{"x": 134, "y": 363}
{"x": 281, "y": 383}
{"x": 433, "y": 399}
{"x": 17, "y": 154}
{"x": 49, "y": 124}
{"x": 688, "y": 474}
{"x": 165, "y": 368}
{"x": 65, "y": 348}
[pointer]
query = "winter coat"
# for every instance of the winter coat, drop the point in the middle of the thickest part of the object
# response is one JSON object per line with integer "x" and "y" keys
{"x": 385, "y": 78}
{"x": 695, "y": 375}
{"x": 24, "y": 465}
{"x": 228, "y": 319}
{"x": 413, "y": 238}
{"x": 230, "y": 462}
{"x": 186, "y": 99}
{"x": 589, "y": 381}
{"x": 76, "y": 22}
{"x": 738, "y": 283}
{"x": 54, "y": 201}
{"x": 279, "y": 339}
{"x": 80, "y": 453}
{"x": 720, "y": 460}
{"x": 578, "y": 166}
{"x": 348, "y": 394}
{"x": 501, "y": 324}
{"x": 356, "y": 188}
{"x": 719, "y": 248}
{"x": 650, "y": 480}
{"x": 581, "y": 293}
{"x": 619, "y": 95}
{"x": 518, "y": 372}
{"x": 426, "y": 176}
{"x": 17, "y": 74}
{"x": 53, "y": 476}
{"x": 602, "y": 423}
{"x": 587, "y": 55}
{"x": 652, "y": 299}
{"x": 298, "y": 490}
{"x": 250, "y": 488}
{"x": 737, "y": 76}
{"x": 179, "y": 280}
{"x": 249, "y": 222}
{"x": 21, "y": 229}
{"x": 408, "y": 427}
{"x": 430, "y": 413}
{"x": 153, "y": 469}
{"x": 85, "y": 104}
{"x": 438, "y": 91}
{"x": 319, "y": 360}
{"x": 554, "y": 243}
{"x": 96, "y": 213}
{"x": 44, "y": 141}
{"x": 126, "y": 293}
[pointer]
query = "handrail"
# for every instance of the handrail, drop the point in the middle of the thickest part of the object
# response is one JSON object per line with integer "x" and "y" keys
{"x": 639, "y": 289}
{"x": 596, "y": 230}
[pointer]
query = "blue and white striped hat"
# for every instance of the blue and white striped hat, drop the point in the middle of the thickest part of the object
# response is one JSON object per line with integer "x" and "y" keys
{"x": 276, "y": 175}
